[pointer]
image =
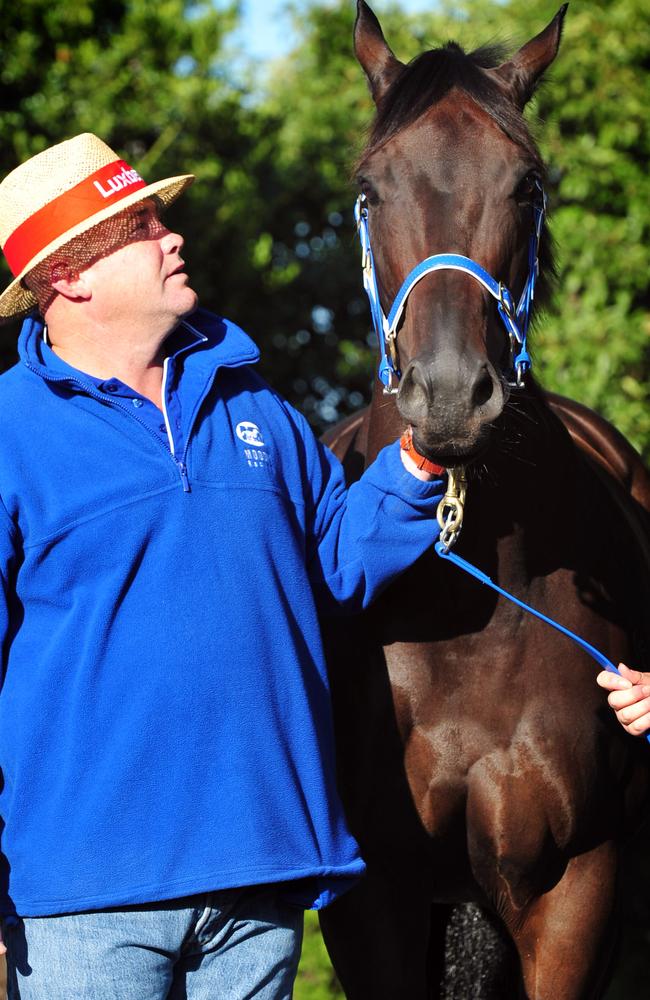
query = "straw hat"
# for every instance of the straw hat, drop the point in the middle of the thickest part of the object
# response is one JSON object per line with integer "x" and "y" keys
{"x": 59, "y": 194}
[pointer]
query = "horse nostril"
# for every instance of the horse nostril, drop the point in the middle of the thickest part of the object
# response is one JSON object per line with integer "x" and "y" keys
{"x": 482, "y": 390}
{"x": 414, "y": 395}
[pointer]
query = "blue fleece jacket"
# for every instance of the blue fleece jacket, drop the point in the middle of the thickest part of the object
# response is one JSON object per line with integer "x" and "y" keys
{"x": 164, "y": 715}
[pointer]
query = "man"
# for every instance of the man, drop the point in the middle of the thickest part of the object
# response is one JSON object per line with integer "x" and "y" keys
{"x": 169, "y": 532}
{"x": 629, "y": 697}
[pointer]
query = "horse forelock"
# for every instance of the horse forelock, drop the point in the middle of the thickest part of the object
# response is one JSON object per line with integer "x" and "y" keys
{"x": 431, "y": 75}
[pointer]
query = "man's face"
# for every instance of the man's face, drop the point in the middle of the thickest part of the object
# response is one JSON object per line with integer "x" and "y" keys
{"x": 140, "y": 275}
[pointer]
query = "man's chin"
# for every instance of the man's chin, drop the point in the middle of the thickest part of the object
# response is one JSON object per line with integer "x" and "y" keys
{"x": 190, "y": 303}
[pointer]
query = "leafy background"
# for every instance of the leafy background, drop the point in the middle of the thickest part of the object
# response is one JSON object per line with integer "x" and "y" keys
{"x": 268, "y": 224}
{"x": 269, "y": 221}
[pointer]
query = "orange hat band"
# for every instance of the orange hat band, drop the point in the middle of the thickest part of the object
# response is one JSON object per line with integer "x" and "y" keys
{"x": 97, "y": 191}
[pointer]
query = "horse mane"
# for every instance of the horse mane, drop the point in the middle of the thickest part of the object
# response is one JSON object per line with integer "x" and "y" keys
{"x": 426, "y": 80}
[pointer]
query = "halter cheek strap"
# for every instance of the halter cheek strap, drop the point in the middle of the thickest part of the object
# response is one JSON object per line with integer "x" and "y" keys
{"x": 516, "y": 320}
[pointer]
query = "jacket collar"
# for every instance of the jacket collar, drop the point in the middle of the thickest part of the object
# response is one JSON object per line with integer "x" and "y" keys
{"x": 218, "y": 343}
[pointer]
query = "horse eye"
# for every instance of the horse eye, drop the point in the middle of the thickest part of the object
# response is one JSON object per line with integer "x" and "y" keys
{"x": 368, "y": 191}
{"x": 528, "y": 186}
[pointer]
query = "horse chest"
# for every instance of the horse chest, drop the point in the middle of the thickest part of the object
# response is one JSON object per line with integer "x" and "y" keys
{"x": 477, "y": 764}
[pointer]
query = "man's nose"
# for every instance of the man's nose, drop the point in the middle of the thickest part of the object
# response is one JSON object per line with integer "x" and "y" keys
{"x": 171, "y": 242}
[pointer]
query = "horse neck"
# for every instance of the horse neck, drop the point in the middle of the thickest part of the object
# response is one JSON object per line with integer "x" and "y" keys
{"x": 528, "y": 434}
{"x": 383, "y": 423}
{"x": 518, "y": 515}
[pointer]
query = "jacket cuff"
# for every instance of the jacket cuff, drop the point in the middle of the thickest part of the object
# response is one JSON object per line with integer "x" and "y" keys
{"x": 394, "y": 478}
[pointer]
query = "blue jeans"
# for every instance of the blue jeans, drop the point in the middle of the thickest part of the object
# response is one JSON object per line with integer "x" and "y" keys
{"x": 229, "y": 945}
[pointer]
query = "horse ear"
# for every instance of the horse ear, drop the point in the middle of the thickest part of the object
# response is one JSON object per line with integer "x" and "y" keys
{"x": 523, "y": 72}
{"x": 376, "y": 58}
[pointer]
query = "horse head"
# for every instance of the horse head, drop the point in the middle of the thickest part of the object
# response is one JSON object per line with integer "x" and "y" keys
{"x": 451, "y": 184}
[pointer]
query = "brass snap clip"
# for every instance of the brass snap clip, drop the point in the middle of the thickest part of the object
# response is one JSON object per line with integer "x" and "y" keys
{"x": 452, "y": 506}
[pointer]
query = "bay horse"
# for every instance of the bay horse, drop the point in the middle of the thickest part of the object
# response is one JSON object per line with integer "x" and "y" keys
{"x": 478, "y": 761}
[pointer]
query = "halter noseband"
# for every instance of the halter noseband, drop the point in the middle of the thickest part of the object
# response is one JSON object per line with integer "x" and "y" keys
{"x": 516, "y": 321}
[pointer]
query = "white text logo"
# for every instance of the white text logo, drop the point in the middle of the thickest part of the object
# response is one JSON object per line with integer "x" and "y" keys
{"x": 119, "y": 181}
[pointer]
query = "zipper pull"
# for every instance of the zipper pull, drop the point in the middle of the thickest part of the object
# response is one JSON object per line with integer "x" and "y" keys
{"x": 182, "y": 468}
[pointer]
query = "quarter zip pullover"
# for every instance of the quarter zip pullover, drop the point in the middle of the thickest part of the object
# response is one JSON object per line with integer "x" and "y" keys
{"x": 165, "y": 722}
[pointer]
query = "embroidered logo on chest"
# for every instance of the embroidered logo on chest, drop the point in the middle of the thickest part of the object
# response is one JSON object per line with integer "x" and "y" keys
{"x": 250, "y": 434}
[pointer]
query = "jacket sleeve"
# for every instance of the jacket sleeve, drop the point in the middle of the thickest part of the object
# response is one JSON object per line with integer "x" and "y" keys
{"x": 361, "y": 537}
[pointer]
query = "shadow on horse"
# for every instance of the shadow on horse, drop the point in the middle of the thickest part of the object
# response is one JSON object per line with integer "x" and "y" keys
{"x": 479, "y": 762}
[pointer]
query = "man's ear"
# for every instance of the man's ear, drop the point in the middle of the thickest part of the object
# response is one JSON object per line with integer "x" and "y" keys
{"x": 67, "y": 281}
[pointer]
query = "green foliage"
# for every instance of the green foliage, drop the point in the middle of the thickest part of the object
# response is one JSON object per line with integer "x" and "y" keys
{"x": 136, "y": 73}
{"x": 269, "y": 228}
{"x": 596, "y": 140}
{"x": 151, "y": 79}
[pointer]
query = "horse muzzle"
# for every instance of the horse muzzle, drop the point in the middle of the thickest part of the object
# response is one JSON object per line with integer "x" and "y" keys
{"x": 451, "y": 406}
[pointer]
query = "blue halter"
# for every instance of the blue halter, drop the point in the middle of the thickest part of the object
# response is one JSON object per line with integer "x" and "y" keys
{"x": 516, "y": 321}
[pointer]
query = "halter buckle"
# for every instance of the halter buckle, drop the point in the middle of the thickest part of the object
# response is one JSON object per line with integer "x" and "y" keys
{"x": 522, "y": 365}
{"x": 505, "y": 301}
{"x": 391, "y": 387}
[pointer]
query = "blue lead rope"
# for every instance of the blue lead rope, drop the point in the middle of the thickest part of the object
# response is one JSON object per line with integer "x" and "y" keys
{"x": 478, "y": 574}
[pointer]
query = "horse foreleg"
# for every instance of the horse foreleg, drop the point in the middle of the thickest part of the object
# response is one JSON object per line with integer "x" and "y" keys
{"x": 565, "y": 937}
{"x": 377, "y": 936}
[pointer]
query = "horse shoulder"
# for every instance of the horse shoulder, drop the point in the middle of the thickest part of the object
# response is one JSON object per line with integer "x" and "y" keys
{"x": 348, "y": 440}
{"x": 605, "y": 445}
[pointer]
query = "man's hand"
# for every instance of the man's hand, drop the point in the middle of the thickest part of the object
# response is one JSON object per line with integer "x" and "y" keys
{"x": 629, "y": 697}
{"x": 3, "y": 947}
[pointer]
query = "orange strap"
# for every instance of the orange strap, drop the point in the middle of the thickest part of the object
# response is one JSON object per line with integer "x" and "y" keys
{"x": 406, "y": 444}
